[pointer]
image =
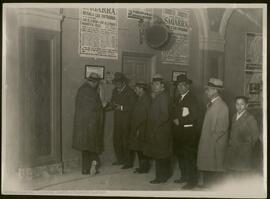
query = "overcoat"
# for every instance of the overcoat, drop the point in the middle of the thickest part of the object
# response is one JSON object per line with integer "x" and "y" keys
{"x": 88, "y": 120}
{"x": 243, "y": 137}
{"x": 214, "y": 137}
{"x": 186, "y": 135}
{"x": 139, "y": 123}
{"x": 159, "y": 136}
{"x": 127, "y": 99}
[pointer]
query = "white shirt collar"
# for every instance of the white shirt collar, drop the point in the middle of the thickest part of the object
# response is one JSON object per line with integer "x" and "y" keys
{"x": 120, "y": 90}
{"x": 212, "y": 100}
{"x": 238, "y": 115}
{"x": 182, "y": 96}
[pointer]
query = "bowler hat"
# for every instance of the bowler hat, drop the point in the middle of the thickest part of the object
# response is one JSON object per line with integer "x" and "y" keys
{"x": 183, "y": 78}
{"x": 215, "y": 83}
{"x": 119, "y": 77}
{"x": 93, "y": 77}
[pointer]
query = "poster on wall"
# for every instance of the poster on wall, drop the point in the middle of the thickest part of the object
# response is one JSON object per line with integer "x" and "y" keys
{"x": 98, "y": 33}
{"x": 253, "y": 88}
{"x": 178, "y": 22}
{"x": 140, "y": 13}
{"x": 254, "y": 51}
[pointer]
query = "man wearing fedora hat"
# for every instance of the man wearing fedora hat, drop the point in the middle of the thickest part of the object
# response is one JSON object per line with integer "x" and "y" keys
{"x": 186, "y": 135}
{"x": 139, "y": 126}
{"x": 158, "y": 143}
{"x": 122, "y": 102}
{"x": 89, "y": 123}
{"x": 214, "y": 135}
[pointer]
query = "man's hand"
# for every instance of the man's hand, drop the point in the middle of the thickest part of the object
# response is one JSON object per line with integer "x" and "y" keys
{"x": 176, "y": 122}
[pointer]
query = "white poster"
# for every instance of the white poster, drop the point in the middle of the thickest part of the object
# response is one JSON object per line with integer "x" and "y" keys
{"x": 98, "y": 32}
{"x": 178, "y": 22}
{"x": 140, "y": 13}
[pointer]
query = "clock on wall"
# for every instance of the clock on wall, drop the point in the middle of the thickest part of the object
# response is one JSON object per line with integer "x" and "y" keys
{"x": 157, "y": 35}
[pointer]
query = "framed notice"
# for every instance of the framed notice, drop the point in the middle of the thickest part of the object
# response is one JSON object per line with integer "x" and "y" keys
{"x": 253, "y": 88}
{"x": 96, "y": 69}
{"x": 98, "y": 33}
{"x": 253, "y": 51}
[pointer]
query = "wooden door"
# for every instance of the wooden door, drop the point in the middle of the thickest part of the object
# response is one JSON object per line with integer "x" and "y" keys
{"x": 137, "y": 67}
{"x": 40, "y": 97}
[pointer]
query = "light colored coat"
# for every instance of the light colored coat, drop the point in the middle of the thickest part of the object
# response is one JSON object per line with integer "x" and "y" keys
{"x": 243, "y": 137}
{"x": 214, "y": 137}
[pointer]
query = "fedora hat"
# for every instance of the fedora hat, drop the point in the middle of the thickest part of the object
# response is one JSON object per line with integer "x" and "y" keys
{"x": 183, "y": 78}
{"x": 157, "y": 77}
{"x": 93, "y": 77}
{"x": 215, "y": 83}
{"x": 119, "y": 77}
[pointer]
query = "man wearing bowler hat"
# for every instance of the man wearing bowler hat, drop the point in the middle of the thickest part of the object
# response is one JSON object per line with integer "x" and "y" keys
{"x": 122, "y": 102}
{"x": 186, "y": 135}
{"x": 159, "y": 136}
{"x": 139, "y": 126}
{"x": 89, "y": 124}
{"x": 214, "y": 136}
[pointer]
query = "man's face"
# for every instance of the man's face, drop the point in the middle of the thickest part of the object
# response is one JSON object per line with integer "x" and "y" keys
{"x": 157, "y": 86}
{"x": 182, "y": 87}
{"x": 240, "y": 105}
{"x": 94, "y": 84}
{"x": 119, "y": 85}
{"x": 138, "y": 90}
{"x": 210, "y": 92}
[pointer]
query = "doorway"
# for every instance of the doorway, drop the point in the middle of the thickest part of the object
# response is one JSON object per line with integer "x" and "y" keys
{"x": 138, "y": 67}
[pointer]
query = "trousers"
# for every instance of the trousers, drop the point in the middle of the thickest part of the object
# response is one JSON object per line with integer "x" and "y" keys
{"x": 163, "y": 169}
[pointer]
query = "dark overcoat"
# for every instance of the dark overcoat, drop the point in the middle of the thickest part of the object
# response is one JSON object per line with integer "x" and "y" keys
{"x": 186, "y": 135}
{"x": 127, "y": 99}
{"x": 243, "y": 137}
{"x": 88, "y": 120}
{"x": 139, "y": 123}
{"x": 159, "y": 136}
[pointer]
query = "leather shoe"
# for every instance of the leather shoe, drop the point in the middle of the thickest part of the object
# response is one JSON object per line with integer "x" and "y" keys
{"x": 126, "y": 167}
{"x": 188, "y": 186}
{"x": 157, "y": 181}
{"x": 181, "y": 180}
{"x": 116, "y": 163}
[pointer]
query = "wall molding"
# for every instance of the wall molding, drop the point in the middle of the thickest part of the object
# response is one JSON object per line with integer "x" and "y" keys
{"x": 214, "y": 41}
{"x": 39, "y": 19}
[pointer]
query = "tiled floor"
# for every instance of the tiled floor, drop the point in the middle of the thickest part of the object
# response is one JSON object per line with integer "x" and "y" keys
{"x": 113, "y": 178}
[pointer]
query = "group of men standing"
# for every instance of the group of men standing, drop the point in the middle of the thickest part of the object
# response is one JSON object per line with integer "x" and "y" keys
{"x": 149, "y": 124}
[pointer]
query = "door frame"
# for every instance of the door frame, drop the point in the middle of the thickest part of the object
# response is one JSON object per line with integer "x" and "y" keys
{"x": 147, "y": 55}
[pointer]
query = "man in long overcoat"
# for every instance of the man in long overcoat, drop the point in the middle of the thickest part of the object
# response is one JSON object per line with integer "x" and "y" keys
{"x": 214, "y": 137}
{"x": 139, "y": 126}
{"x": 186, "y": 135}
{"x": 122, "y": 102}
{"x": 88, "y": 123}
{"x": 244, "y": 135}
{"x": 159, "y": 136}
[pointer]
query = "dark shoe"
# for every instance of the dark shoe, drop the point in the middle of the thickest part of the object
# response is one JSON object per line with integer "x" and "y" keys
{"x": 86, "y": 172}
{"x": 116, "y": 163}
{"x": 157, "y": 181}
{"x": 126, "y": 167}
{"x": 181, "y": 180}
{"x": 188, "y": 186}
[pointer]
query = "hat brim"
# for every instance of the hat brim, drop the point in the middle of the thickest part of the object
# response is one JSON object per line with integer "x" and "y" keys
{"x": 93, "y": 79}
{"x": 188, "y": 81}
{"x": 219, "y": 88}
